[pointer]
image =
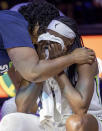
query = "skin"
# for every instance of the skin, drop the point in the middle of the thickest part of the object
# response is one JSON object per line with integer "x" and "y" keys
{"x": 31, "y": 68}
{"x": 82, "y": 92}
{"x": 48, "y": 67}
{"x": 85, "y": 122}
{"x": 23, "y": 94}
{"x": 26, "y": 98}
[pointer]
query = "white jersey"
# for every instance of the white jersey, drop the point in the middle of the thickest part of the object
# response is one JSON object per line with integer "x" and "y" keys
{"x": 95, "y": 107}
{"x": 58, "y": 118}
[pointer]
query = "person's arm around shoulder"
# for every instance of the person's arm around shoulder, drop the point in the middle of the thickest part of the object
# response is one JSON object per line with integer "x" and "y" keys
{"x": 27, "y": 63}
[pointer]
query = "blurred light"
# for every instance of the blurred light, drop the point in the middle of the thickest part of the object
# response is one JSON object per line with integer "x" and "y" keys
{"x": 95, "y": 43}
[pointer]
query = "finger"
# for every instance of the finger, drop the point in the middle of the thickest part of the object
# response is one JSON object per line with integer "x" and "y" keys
{"x": 43, "y": 56}
{"x": 59, "y": 47}
{"x": 53, "y": 48}
{"x": 62, "y": 51}
{"x": 65, "y": 51}
{"x": 56, "y": 47}
{"x": 58, "y": 50}
{"x": 90, "y": 61}
{"x": 50, "y": 52}
{"x": 92, "y": 53}
{"x": 52, "y": 55}
{"x": 92, "y": 57}
{"x": 90, "y": 50}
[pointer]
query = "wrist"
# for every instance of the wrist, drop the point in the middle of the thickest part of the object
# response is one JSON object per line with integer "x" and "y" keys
{"x": 72, "y": 57}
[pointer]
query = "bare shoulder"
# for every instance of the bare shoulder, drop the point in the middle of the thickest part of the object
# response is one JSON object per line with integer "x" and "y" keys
{"x": 91, "y": 69}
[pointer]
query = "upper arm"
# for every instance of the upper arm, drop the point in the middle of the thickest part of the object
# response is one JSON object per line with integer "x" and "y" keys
{"x": 24, "y": 59}
{"x": 85, "y": 83}
{"x": 14, "y": 30}
{"x": 17, "y": 41}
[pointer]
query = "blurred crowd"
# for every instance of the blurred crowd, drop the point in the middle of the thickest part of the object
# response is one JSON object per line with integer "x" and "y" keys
{"x": 84, "y": 11}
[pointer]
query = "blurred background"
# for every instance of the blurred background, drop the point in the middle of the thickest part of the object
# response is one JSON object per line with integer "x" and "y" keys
{"x": 84, "y": 11}
{"x": 87, "y": 13}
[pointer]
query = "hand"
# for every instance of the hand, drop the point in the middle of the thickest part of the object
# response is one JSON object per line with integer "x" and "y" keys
{"x": 55, "y": 50}
{"x": 83, "y": 56}
{"x": 41, "y": 51}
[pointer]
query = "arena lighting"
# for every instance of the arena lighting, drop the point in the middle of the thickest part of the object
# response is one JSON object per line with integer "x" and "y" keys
{"x": 95, "y": 43}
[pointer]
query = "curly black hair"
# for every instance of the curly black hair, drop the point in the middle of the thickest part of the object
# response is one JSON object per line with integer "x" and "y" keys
{"x": 40, "y": 12}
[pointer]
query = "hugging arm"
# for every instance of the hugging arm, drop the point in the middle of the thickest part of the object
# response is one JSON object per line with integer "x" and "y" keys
{"x": 27, "y": 63}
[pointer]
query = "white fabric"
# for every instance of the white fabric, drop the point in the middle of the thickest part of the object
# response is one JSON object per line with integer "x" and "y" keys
{"x": 48, "y": 105}
{"x": 99, "y": 124}
{"x": 62, "y": 29}
{"x": 56, "y": 110}
{"x": 8, "y": 107}
{"x": 26, "y": 122}
{"x": 48, "y": 115}
{"x": 47, "y": 36}
{"x": 99, "y": 65}
{"x": 54, "y": 116}
{"x": 20, "y": 122}
{"x": 47, "y": 54}
{"x": 95, "y": 107}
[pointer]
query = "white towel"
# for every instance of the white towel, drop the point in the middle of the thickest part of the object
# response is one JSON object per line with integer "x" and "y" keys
{"x": 47, "y": 111}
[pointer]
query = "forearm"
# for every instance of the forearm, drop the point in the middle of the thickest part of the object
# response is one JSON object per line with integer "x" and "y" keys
{"x": 45, "y": 69}
{"x": 77, "y": 97}
{"x": 27, "y": 63}
{"x": 27, "y": 97}
{"x": 72, "y": 95}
